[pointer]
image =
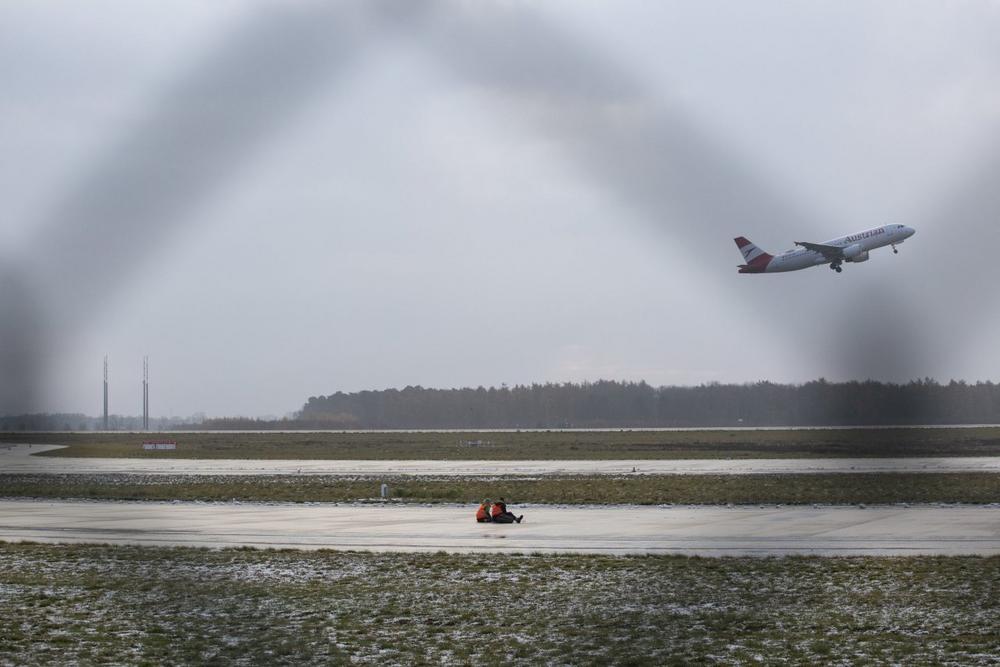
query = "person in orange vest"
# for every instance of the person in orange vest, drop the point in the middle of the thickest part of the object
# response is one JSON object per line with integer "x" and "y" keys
{"x": 483, "y": 513}
{"x": 501, "y": 515}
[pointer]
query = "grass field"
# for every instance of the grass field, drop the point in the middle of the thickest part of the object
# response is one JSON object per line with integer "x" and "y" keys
{"x": 151, "y": 606}
{"x": 529, "y": 445}
{"x": 638, "y": 489}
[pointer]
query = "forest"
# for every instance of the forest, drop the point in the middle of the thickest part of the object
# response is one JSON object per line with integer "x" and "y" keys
{"x": 612, "y": 404}
{"x": 602, "y": 404}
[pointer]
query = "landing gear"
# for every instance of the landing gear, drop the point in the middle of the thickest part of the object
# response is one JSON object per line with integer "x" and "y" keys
{"x": 894, "y": 251}
{"x": 836, "y": 267}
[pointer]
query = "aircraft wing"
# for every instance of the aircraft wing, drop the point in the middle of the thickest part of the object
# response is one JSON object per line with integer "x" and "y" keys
{"x": 828, "y": 251}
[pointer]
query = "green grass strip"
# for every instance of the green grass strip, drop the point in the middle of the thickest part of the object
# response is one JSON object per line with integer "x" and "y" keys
{"x": 640, "y": 489}
{"x": 554, "y": 445}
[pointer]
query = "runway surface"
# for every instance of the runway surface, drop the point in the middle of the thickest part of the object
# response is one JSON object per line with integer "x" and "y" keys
{"x": 706, "y": 531}
{"x": 20, "y": 459}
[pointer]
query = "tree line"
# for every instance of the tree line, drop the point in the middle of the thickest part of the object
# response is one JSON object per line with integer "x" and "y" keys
{"x": 602, "y": 404}
{"x": 611, "y": 404}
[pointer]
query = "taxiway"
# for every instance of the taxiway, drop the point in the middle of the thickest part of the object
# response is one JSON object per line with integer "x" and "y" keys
{"x": 20, "y": 459}
{"x": 698, "y": 530}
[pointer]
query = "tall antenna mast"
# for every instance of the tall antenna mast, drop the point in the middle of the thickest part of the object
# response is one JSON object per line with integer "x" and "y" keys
{"x": 105, "y": 392}
{"x": 145, "y": 393}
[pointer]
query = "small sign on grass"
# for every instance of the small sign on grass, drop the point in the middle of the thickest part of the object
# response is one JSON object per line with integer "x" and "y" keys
{"x": 159, "y": 444}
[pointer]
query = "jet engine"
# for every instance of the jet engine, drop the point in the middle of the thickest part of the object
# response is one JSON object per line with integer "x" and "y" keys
{"x": 854, "y": 253}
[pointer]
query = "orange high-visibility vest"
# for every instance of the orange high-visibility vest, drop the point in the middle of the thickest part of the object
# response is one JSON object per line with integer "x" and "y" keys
{"x": 498, "y": 509}
{"x": 481, "y": 513}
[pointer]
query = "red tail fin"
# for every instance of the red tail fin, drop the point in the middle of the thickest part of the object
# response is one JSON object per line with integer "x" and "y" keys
{"x": 756, "y": 259}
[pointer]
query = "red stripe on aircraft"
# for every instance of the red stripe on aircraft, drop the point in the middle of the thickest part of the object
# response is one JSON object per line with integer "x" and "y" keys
{"x": 758, "y": 264}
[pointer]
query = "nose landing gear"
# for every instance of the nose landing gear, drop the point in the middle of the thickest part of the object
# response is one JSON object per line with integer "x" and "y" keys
{"x": 894, "y": 251}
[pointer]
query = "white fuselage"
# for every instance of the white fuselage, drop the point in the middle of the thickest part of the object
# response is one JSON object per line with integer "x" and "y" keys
{"x": 856, "y": 247}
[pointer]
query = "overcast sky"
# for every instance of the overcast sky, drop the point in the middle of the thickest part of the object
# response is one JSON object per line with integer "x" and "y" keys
{"x": 280, "y": 201}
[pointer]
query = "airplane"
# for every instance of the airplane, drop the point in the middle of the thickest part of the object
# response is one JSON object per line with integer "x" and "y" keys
{"x": 850, "y": 248}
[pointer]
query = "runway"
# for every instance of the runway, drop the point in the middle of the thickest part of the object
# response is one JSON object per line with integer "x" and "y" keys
{"x": 704, "y": 531}
{"x": 20, "y": 459}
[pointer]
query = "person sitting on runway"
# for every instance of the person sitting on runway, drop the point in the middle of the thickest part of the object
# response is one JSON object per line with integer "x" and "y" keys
{"x": 501, "y": 515}
{"x": 483, "y": 513}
